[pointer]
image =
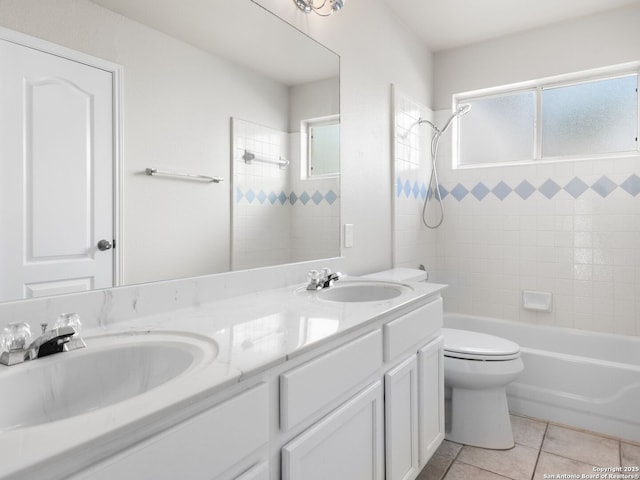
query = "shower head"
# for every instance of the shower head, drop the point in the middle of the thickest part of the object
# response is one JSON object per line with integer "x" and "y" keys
{"x": 462, "y": 110}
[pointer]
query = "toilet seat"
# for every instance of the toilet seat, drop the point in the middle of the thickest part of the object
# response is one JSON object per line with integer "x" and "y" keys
{"x": 468, "y": 345}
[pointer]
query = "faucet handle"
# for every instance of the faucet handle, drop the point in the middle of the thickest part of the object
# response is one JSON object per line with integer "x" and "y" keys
{"x": 313, "y": 276}
{"x": 68, "y": 320}
{"x": 15, "y": 336}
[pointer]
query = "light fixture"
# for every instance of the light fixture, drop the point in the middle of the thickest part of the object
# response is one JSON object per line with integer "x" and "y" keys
{"x": 324, "y": 9}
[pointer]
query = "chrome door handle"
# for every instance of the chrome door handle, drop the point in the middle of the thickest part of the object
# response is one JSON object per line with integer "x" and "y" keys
{"x": 105, "y": 245}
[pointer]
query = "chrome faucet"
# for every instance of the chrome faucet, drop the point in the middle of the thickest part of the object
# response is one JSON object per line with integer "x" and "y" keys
{"x": 318, "y": 281}
{"x": 63, "y": 337}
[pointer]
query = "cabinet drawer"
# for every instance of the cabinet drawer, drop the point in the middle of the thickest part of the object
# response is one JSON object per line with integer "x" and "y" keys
{"x": 411, "y": 329}
{"x": 204, "y": 446}
{"x": 310, "y": 387}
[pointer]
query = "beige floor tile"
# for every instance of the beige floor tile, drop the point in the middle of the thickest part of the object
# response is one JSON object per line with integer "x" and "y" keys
{"x": 582, "y": 446}
{"x": 517, "y": 463}
{"x": 630, "y": 455}
{"x": 449, "y": 449}
{"x": 436, "y": 468}
{"x": 549, "y": 464}
{"x": 461, "y": 471}
{"x": 527, "y": 431}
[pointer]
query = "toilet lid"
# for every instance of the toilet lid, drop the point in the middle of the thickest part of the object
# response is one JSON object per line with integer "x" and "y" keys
{"x": 478, "y": 346}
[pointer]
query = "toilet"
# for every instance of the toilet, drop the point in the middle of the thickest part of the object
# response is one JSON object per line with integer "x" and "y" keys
{"x": 477, "y": 369}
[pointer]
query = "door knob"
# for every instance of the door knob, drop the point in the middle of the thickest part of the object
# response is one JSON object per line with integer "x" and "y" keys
{"x": 105, "y": 245}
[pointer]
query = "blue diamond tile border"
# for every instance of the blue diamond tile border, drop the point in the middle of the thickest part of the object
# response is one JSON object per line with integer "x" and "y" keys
{"x": 524, "y": 190}
{"x": 415, "y": 190}
{"x": 459, "y": 192}
{"x": 501, "y": 190}
{"x": 576, "y": 187}
{"x": 549, "y": 188}
{"x": 631, "y": 185}
{"x": 282, "y": 198}
{"x": 604, "y": 186}
{"x": 480, "y": 191}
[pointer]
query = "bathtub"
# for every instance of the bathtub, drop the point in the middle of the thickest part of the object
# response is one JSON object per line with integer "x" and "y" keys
{"x": 578, "y": 378}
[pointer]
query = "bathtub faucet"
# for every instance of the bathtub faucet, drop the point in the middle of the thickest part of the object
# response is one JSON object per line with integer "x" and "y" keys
{"x": 318, "y": 281}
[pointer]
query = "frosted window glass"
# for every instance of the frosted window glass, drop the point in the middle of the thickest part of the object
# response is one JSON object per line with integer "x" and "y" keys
{"x": 590, "y": 118}
{"x": 498, "y": 129}
{"x": 324, "y": 149}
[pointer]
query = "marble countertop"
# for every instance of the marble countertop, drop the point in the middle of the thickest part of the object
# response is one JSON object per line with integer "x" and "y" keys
{"x": 253, "y": 332}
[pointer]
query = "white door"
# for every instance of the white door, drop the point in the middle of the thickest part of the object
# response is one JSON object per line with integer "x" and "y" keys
{"x": 56, "y": 174}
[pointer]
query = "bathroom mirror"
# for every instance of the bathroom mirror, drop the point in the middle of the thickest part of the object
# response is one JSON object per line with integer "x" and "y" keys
{"x": 203, "y": 83}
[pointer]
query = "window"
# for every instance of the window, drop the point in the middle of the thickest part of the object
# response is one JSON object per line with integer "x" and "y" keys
{"x": 548, "y": 120}
{"x": 499, "y": 129}
{"x": 590, "y": 118}
{"x": 323, "y": 148}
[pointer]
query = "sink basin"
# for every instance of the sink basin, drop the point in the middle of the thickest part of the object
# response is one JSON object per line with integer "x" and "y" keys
{"x": 111, "y": 369}
{"x": 363, "y": 291}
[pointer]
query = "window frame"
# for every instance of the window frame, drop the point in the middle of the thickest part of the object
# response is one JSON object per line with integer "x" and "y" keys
{"x": 537, "y": 86}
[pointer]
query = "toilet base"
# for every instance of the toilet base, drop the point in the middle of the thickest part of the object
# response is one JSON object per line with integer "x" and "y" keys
{"x": 480, "y": 418}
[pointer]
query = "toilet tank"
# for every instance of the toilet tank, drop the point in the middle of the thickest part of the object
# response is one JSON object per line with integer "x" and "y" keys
{"x": 399, "y": 275}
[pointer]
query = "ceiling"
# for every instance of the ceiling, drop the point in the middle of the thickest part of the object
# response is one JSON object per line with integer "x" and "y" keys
{"x": 234, "y": 30}
{"x": 444, "y": 24}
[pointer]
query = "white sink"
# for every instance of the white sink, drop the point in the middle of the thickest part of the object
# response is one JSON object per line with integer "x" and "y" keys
{"x": 111, "y": 369}
{"x": 355, "y": 291}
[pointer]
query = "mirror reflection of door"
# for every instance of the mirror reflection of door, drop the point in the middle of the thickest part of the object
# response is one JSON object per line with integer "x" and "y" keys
{"x": 56, "y": 174}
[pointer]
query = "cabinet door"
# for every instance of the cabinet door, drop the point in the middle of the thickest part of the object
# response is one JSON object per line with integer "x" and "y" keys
{"x": 431, "y": 397}
{"x": 346, "y": 444}
{"x": 401, "y": 420}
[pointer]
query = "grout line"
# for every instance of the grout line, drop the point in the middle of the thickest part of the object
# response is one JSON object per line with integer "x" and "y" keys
{"x": 544, "y": 435}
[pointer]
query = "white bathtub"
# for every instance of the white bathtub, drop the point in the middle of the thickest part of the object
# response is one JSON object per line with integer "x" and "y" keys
{"x": 583, "y": 379}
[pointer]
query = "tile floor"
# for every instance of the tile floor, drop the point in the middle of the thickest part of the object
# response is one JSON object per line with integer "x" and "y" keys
{"x": 542, "y": 451}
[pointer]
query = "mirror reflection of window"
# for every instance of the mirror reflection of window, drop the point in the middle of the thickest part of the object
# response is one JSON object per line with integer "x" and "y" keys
{"x": 324, "y": 147}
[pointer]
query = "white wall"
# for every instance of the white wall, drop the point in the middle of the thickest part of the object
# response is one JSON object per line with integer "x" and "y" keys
{"x": 580, "y": 44}
{"x": 177, "y": 104}
{"x": 414, "y": 244}
{"x": 585, "y": 249}
{"x": 315, "y": 226}
{"x": 375, "y": 51}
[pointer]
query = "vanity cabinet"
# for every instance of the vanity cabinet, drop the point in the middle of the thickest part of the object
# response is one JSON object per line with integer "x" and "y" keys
{"x": 414, "y": 391}
{"x": 367, "y": 406}
{"x": 348, "y": 441}
{"x": 307, "y": 389}
{"x": 203, "y": 447}
{"x": 406, "y": 427}
{"x": 346, "y": 444}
